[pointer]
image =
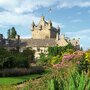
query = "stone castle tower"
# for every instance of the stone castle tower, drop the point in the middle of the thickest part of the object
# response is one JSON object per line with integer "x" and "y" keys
{"x": 44, "y": 30}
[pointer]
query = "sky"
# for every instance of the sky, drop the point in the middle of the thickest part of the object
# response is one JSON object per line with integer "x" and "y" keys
{"x": 73, "y": 17}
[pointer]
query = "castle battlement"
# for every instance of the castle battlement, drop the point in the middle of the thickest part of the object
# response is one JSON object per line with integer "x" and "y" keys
{"x": 44, "y": 30}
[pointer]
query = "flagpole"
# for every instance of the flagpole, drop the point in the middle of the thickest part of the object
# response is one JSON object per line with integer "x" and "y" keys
{"x": 50, "y": 13}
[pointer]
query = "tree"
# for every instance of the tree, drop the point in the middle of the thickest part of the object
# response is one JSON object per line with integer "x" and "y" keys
{"x": 29, "y": 53}
{"x": 13, "y": 32}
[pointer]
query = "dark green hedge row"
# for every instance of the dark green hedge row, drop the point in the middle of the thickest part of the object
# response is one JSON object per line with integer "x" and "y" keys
{"x": 21, "y": 71}
{"x": 13, "y": 58}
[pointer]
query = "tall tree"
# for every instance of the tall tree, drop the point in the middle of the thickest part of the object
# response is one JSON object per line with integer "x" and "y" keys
{"x": 13, "y": 32}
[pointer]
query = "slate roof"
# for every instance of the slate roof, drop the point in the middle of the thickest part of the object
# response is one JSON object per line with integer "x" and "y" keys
{"x": 10, "y": 43}
{"x": 37, "y": 42}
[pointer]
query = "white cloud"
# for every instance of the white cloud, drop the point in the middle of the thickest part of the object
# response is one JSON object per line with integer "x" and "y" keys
{"x": 73, "y": 3}
{"x": 15, "y": 19}
{"x": 21, "y": 6}
{"x": 55, "y": 24}
{"x": 79, "y": 32}
{"x": 76, "y": 20}
{"x": 21, "y": 19}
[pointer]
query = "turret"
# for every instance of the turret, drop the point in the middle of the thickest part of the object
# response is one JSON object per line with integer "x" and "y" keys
{"x": 62, "y": 36}
{"x": 32, "y": 26}
{"x": 58, "y": 32}
{"x": 49, "y": 24}
{"x": 42, "y": 18}
{"x": 58, "y": 29}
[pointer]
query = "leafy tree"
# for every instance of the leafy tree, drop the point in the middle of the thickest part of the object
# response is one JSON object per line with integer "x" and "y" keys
{"x": 56, "y": 50}
{"x": 12, "y": 33}
{"x": 29, "y": 53}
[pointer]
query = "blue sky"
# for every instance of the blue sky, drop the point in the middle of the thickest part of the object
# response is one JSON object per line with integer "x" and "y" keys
{"x": 73, "y": 17}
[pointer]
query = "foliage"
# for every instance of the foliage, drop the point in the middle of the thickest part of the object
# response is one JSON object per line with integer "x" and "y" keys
{"x": 44, "y": 61}
{"x": 21, "y": 71}
{"x": 54, "y": 51}
{"x": 13, "y": 58}
{"x": 53, "y": 84}
{"x": 75, "y": 81}
{"x": 12, "y": 33}
{"x": 55, "y": 60}
{"x": 29, "y": 54}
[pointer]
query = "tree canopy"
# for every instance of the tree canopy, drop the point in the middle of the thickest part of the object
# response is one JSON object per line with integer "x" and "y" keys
{"x": 12, "y": 33}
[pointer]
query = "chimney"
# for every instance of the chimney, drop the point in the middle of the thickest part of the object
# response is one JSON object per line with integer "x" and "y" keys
{"x": 1, "y": 36}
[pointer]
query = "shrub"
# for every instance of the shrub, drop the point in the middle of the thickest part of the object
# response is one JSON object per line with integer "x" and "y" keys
{"x": 9, "y": 62}
{"x": 29, "y": 54}
{"x": 13, "y": 58}
{"x": 56, "y": 60}
{"x": 21, "y": 71}
{"x": 56, "y": 50}
{"x": 44, "y": 61}
{"x": 21, "y": 62}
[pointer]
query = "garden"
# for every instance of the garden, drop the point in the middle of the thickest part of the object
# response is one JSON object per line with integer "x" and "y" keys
{"x": 64, "y": 68}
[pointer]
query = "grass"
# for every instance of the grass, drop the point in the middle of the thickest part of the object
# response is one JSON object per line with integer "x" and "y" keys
{"x": 20, "y": 79}
{"x": 16, "y": 80}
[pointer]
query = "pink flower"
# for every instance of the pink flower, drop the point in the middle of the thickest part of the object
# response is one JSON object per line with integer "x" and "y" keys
{"x": 80, "y": 52}
{"x": 56, "y": 70}
{"x": 68, "y": 57}
{"x": 78, "y": 62}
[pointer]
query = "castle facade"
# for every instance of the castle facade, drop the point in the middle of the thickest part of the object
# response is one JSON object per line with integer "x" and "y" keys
{"x": 43, "y": 35}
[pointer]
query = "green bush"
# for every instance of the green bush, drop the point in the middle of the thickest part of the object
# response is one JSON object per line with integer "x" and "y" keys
{"x": 56, "y": 50}
{"x": 44, "y": 60}
{"x": 29, "y": 54}
{"x": 13, "y": 58}
{"x": 9, "y": 62}
{"x": 21, "y": 62}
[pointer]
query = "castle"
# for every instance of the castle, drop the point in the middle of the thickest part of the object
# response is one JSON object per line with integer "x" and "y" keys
{"x": 43, "y": 35}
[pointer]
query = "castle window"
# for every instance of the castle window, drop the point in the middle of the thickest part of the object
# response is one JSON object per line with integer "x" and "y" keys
{"x": 6, "y": 42}
{"x": 38, "y": 49}
{"x": 45, "y": 50}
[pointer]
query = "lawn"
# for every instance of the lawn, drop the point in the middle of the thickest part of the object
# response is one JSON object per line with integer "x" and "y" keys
{"x": 16, "y": 80}
{"x": 20, "y": 79}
